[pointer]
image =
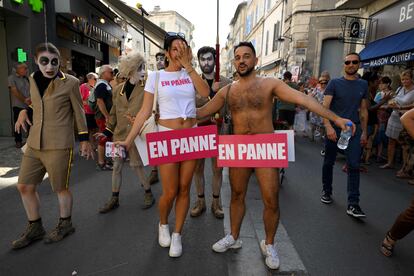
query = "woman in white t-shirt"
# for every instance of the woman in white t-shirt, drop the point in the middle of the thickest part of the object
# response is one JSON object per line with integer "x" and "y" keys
{"x": 177, "y": 88}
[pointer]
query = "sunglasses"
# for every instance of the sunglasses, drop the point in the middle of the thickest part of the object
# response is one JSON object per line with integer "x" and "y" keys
{"x": 174, "y": 34}
{"x": 323, "y": 82}
{"x": 347, "y": 62}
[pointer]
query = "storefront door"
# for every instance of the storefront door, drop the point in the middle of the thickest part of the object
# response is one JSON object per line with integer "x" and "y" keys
{"x": 332, "y": 57}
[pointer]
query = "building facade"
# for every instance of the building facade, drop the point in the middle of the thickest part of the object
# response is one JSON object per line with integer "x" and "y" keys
{"x": 88, "y": 34}
{"x": 236, "y": 34}
{"x": 169, "y": 21}
{"x": 390, "y": 43}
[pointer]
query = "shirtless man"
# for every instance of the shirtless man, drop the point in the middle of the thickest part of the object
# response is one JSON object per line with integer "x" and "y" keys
{"x": 250, "y": 102}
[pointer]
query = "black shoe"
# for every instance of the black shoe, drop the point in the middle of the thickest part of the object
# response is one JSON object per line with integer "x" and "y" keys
{"x": 355, "y": 211}
{"x": 19, "y": 145}
{"x": 326, "y": 198}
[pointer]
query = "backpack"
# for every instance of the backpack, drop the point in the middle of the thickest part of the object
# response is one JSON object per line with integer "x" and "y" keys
{"x": 92, "y": 100}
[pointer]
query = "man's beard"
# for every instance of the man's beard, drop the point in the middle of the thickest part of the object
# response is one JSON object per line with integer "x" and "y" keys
{"x": 207, "y": 69}
{"x": 248, "y": 72}
{"x": 351, "y": 72}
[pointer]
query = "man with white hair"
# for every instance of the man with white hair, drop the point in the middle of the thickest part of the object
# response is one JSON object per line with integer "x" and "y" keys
{"x": 127, "y": 101}
{"x": 103, "y": 94}
{"x": 20, "y": 95}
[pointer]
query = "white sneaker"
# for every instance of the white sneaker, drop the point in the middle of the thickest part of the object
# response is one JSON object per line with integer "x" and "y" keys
{"x": 225, "y": 243}
{"x": 270, "y": 253}
{"x": 164, "y": 238}
{"x": 176, "y": 248}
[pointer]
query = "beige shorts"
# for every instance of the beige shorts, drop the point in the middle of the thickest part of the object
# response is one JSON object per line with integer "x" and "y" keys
{"x": 57, "y": 163}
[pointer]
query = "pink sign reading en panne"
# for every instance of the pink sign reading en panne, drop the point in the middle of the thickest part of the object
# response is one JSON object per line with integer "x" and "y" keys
{"x": 180, "y": 145}
{"x": 253, "y": 151}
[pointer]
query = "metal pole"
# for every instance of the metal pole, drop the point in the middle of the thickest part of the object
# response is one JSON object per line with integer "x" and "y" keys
{"x": 143, "y": 30}
{"x": 217, "y": 76}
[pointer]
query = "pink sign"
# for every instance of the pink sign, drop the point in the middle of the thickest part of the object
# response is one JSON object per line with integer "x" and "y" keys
{"x": 253, "y": 151}
{"x": 180, "y": 145}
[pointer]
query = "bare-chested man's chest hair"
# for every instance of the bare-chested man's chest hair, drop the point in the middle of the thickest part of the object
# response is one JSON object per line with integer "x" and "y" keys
{"x": 250, "y": 97}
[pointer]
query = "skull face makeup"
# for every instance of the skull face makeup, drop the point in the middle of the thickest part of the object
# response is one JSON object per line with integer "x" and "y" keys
{"x": 48, "y": 63}
{"x": 138, "y": 75}
{"x": 207, "y": 63}
{"x": 160, "y": 62}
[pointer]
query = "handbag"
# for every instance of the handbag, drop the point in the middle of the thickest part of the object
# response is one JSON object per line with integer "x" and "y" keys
{"x": 227, "y": 126}
{"x": 150, "y": 125}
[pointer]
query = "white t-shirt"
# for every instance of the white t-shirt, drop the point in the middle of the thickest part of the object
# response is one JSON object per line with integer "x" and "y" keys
{"x": 176, "y": 94}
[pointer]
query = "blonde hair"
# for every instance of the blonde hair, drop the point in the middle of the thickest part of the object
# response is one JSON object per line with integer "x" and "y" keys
{"x": 129, "y": 63}
{"x": 407, "y": 73}
{"x": 92, "y": 75}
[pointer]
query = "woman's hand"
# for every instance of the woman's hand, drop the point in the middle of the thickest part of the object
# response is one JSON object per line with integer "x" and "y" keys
{"x": 185, "y": 55}
{"x": 124, "y": 143}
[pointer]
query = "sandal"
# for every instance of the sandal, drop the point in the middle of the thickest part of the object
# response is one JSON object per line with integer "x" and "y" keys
{"x": 103, "y": 167}
{"x": 403, "y": 175}
{"x": 387, "y": 248}
{"x": 386, "y": 166}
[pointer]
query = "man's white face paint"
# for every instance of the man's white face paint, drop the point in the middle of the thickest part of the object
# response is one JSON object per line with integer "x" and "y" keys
{"x": 207, "y": 63}
{"x": 160, "y": 60}
{"x": 49, "y": 64}
{"x": 138, "y": 75}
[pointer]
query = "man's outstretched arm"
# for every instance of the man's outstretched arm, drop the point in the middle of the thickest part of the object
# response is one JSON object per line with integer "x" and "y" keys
{"x": 214, "y": 105}
{"x": 287, "y": 94}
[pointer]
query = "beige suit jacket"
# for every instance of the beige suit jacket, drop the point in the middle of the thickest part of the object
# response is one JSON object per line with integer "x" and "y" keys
{"x": 118, "y": 123}
{"x": 54, "y": 114}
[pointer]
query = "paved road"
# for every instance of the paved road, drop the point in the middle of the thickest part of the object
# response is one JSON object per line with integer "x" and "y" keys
{"x": 327, "y": 240}
{"x": 123, "y": 242}
{"x": 313, "y": 238}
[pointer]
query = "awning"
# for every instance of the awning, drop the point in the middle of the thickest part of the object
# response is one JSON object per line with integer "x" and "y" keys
{"x": 393, "y": 49}
{"x": 153, "y": 33}
{"x": 271, "y": 65}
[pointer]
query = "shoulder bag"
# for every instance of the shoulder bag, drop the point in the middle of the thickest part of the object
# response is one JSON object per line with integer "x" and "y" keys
{"x": 227, "y": 126}
{"x": 150, "y": 125}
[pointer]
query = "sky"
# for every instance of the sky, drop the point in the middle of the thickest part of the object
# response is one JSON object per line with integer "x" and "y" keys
{"x": 201, "y": 13}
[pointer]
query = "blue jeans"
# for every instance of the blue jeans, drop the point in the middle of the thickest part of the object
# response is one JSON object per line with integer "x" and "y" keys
{"x": 353, "y": 155}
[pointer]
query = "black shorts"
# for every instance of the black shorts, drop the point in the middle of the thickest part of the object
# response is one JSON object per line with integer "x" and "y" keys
{"x": 287, "y": 116}
{"x": 90, "y": 121}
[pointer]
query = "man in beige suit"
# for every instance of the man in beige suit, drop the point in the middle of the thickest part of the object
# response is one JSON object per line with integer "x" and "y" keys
{"x": 127, "y": 101}
{"x": 56, "y": 104}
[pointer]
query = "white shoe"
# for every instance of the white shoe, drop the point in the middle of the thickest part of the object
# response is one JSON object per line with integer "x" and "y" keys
{"x": 225, "y": 243}
{"x": 164, "y": 238}
{"x": 270, "y": 253}
{"x": 176, "y": 248}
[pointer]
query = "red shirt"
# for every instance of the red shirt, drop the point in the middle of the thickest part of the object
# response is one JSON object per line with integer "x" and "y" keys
{"x": 85, "y": 90}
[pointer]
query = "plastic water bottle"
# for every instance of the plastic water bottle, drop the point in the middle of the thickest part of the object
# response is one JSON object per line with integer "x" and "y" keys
{"x": 345, "y": 136}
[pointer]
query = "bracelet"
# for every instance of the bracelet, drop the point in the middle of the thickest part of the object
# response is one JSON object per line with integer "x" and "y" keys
{"x": 189, "y": 72}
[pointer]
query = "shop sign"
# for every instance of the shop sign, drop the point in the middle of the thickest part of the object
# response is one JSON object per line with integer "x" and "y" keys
{"x": 35, "y": 5}
{"x": 392, "y": 59}
{"x": 354, "y": 29}
{"x": 82, "y": 25}
{"x": 300, "y": 51}
{"x": 394, "y": 19}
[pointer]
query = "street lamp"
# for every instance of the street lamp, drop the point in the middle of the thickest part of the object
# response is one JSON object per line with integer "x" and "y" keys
{"x": 143, "y": 12}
